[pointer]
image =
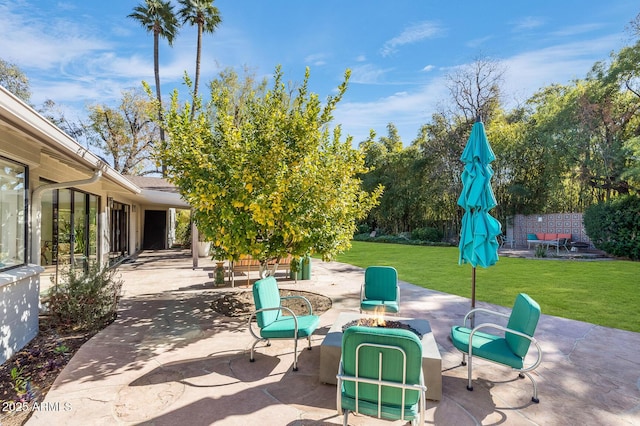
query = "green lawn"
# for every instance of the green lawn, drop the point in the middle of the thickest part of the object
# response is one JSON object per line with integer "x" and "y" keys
{"x": 600, "y": 292}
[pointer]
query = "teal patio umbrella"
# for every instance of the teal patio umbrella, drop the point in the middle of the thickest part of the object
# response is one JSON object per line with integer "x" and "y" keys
{"x": 479, "y": 231}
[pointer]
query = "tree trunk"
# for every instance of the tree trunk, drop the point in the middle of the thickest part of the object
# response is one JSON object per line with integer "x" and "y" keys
{"x": 156, "y": 71}
{"x": 197, "y": 80}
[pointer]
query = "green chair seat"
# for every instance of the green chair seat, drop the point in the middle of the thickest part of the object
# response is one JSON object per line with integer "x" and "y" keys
{"x": 376, "y": 305}
{"x": 284, "y": 327}
{"x": 486, "y": 346}
{"x": 388, "y": 412}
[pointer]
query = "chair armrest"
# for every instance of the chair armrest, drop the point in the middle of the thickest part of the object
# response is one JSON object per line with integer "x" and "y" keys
{"x": 299, "y": 297}
{"x": 486, "y": 311}
{"x": 508, "y": 330}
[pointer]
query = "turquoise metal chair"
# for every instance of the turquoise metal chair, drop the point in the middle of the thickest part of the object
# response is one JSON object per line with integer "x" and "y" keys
{"x": 272, "y": 321}
{"x": 509, "y": 348}
{"x": 380, "y": 291}
{"x": 380, "y": 374}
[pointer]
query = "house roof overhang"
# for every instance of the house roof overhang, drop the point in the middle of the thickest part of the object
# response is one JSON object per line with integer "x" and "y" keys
{"x": 17, "y": 116}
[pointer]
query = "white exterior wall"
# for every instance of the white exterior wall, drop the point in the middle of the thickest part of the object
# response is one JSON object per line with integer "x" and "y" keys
{"x": 19, "y": 299}
{"x": 29, "y": 139}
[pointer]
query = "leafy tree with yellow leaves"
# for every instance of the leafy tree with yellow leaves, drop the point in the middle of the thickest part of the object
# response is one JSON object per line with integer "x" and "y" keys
{"x": 265, "y": 173}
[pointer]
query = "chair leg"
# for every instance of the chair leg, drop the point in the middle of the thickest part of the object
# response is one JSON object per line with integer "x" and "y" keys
{"x": 253, "y": 347}
{"x": 309, "y": 340}
{"x": 345, "y": 422}
{"x": 534, "y": 398}
{"x": 295, "y": 354}
{"x": 469, "y": 372}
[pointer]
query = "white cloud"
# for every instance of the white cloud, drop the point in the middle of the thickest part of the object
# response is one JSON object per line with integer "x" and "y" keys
{"x": 428, "y": 68}
{"x": 528, "y": 23}
{"x": 525, "y": 74}
{"x": 34, "y": 42}
{"x": 529, "y": 71}
{"x": 367, "y": 74}
{"x": 317, "y": 59}
{"x": 478, "y": 41}
{"x": 411, "y": 34}
{"x": 576, "y": 29}
{"x": 406, "y": 110}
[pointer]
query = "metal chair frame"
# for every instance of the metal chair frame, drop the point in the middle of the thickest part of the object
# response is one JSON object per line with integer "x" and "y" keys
{"x": 295, "y": 330}
{"x": 522, "y": 371}
{"x": 380, "y": 383}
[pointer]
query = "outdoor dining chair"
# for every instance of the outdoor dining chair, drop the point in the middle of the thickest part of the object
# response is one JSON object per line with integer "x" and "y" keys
{"x": 279, "y": 322}
{"x": 380, "y": 291}
{"x": 510, "y": 347}
{"x": 380, "y": 374}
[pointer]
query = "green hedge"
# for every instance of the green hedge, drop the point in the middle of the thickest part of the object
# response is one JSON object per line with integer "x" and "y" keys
{"x": 614, "y": 226}
{"x": 426, "y": 234}
{"x": 397, "y": 239}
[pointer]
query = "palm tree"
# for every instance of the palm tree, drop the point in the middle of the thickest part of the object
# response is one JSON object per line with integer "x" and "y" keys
{"x": 204, "y": 15}
{"x": 157, "y": 17}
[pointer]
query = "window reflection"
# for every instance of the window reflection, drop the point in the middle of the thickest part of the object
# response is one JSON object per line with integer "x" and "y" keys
{"x": 13, "y": 195}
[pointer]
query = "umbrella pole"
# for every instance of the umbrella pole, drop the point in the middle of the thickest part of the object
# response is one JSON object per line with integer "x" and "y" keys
{"x": 473, "y": 295}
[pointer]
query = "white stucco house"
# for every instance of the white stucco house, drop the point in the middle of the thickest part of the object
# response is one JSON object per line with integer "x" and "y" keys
{"x": 60, "y": 204}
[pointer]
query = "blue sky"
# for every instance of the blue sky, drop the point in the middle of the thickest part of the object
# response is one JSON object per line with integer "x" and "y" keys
{"x": 78, "y": 52}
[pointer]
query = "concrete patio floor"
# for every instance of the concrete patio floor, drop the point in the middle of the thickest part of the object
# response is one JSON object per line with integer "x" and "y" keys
{"x": 169, "y": 359}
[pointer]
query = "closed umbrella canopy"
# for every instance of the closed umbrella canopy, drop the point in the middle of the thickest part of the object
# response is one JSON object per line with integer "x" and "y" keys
{"x": 479, "y": 232}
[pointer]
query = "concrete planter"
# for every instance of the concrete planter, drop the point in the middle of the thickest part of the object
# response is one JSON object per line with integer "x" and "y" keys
{"x": 203, "y": 248}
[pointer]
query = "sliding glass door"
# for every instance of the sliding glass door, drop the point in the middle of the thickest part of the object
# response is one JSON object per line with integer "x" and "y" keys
{"x": 69, "y": 228}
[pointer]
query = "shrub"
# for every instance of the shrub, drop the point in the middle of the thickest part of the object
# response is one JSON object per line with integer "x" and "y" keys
{"x": 183, "y": 228}
{"x": 614, "y": 226}
{"x": 426, "y": 234}
{"x": 85, "y": 300}
{"x": 395, "y": 239}
{"x": 363, "y": 228}
{"x": 363, "y": 237}
{"x": 541, "y": 251}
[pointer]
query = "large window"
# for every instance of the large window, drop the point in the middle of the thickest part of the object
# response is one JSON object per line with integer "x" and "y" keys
{"x": 13, "y": 214}
{"x": 69, "y": 229}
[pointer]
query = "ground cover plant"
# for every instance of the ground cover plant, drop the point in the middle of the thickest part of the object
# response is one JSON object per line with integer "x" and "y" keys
{"x": 602, "y": 292}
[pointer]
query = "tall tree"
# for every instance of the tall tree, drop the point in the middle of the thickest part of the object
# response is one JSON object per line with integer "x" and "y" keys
{"x": 14, "y": 80}
{"x": 125, "y": 133}
{"x": 206, "y": 17}
{"x": 51, "y": 111}
{"x": 158, "y": 18}
{"x": 272, "y": 179}
{"x": 475, "y": 88}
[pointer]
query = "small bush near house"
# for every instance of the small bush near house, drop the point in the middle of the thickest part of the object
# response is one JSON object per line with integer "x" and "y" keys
{"x": 84, "y": 300}
{"x": 614, "y": 226}
{"x": 426, "y": 234}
